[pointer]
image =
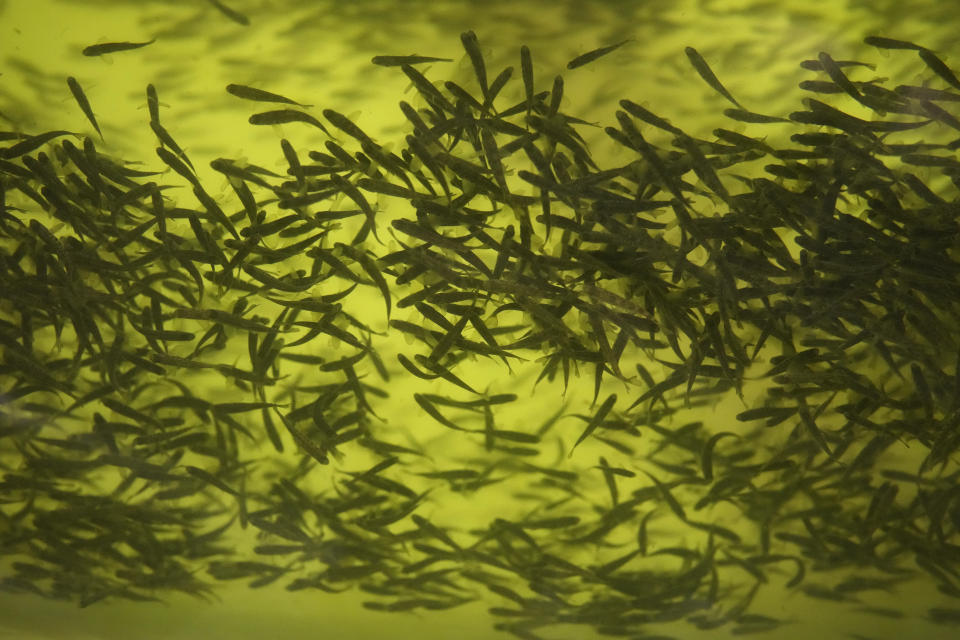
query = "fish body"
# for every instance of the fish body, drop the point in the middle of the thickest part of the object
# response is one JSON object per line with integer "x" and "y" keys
{"x": 81, "y": 99}
{"x": 114, "y": 47}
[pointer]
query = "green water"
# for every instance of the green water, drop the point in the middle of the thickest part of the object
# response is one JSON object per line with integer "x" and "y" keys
{"x": 533, "y": 495}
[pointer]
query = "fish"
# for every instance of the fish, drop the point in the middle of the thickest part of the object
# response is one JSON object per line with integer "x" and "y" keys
{"x": 492, "y": 155}
{"x": 153, "y": 103}
{"x": 423, "y": 154}
{"x": 219, "y": 316}
{"x": 178, "y": 165}
{"x": 497, "y": 86}
{"x": 639, "y": 112}
{"x": 29, "y": 143}
{"x": 939, "y": 67}
{"x": 233, "y": 14}
{"x": 463, "y": 96}
{"x": 820, "y": 86}
{"x": 556, "y": 95}
{"x": 921, "y": 385}
{"x": 822, "y": 114}
{"x": 814, "y": 65}
{"x": 885, "y": 612}
{"x": 708, "y": 76}
{"x": 114, "y": 47}
{"x": 259, "y": 95}
{"x": 590, "y": 56}
{"x": 672, "y": 502}
{"x": 928, "y": 160}
{"x": 427, "y": 89}
{"x": 384, "y": 484}
{"x": 166, "y": 139}
{"x": 838, "y": 77}
{"x": 926, "y": 93}
{"x": 881, "y": 42}
{"x": 228, "y": 168}
{"x": 343, "y": 123}
{"x": 472, "y": 47}
{"x": 526, "y": 72}
{"x": 210, "y": 478}
{"x": 609, "y": 476}
{"x": 669, "y": 179}
{"x": 442, "y": 372}
{"x": 944, "y": 615}
{"x": 396, "y": 61}
{"x": 139, "y": 467}
{"x": 559, "y": 522}
{"x": 642, "y": 538}
{"x": 351, "y": 191}
{"x": 404, "y": 361}
{"x": 386, "y": 188}
{"x": 450, "y": 335}
{"x": 419, "y": 126}
{"x": 81, "y": 99}
{"x": 754, "y": 118}
{"x": 706, "y": 457}
{"x": 285, "y": 116}
{"x": 369, "y": 266}
{"x": 315, "y": 450}
{"x": 596, "y": 420}
{"x": 488, "y": 337}
{"x": 513, "y": 436}
{"x": 705, "y": 171}
{"x": 774, "y": 414}
{"x": 212, "y": 208}
{"x": 226, "y": 408}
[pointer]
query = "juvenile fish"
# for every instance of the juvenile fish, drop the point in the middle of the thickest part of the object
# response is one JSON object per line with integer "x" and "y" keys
{"x": 559, "y": 522}
{"x": 939, "y": 67}
{"x": 499, "y": 83}
{"x": 838, "y": 77}
{"x": 926, "y": 93}
{"x": 113, "y": 47}
{"x": 706, "y": 455}
{"x": 672, "y": 502}
{"x": 259, "y": 95}
{"x": 472, "y": 47}
{"x": 28, "y": 144}
{"x": 427, "y": 406}
{"x": 596, "y": 421}
{"x": 741, "y": 115}
{"x": 889, "y": 43}
{"x": 427, "y": 89}
{"x": 343, "y": 123}
{"x": 234, "y": 15}
{"x": 442, "y": 372}
{"x": 814, "y": 65}
{"x": 708, "y": 76}
{"x": 81, "y": 99}
{"x": 590, "y": 56}
{"x": 940, "y": 115}
{"x": 167, "y": 140}
{"x": 396, "y": 61}
{"x": 286, "y": 116}
{"x": 153, "y": 103}
{"x": 650, "y": 118}
{"x": 370, "y": 268}
{"x": 526, "y": 72}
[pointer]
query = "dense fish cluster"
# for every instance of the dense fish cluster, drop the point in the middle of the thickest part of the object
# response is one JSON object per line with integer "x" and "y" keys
{"x": 174, "y": 367}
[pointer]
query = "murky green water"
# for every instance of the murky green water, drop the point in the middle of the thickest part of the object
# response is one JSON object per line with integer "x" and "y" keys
{"x": 543, "y": 338}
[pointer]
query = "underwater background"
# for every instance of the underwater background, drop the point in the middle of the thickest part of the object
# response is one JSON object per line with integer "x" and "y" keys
{"x": 652, "y": 336}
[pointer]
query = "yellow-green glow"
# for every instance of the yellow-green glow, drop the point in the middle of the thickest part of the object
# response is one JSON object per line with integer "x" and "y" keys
{"x": 319, "y": 54}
